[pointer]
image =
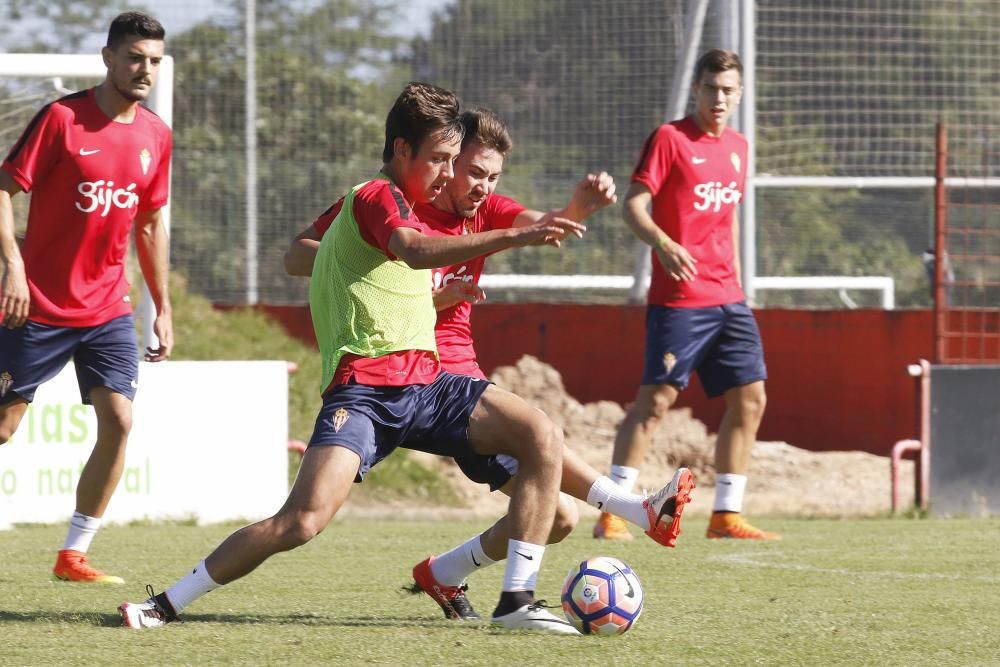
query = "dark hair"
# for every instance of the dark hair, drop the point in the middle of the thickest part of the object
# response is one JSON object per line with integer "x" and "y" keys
{"x": 484, "y": 127}
{"x": 717, "y": 60}
{"x": 420, "y": 110}
{"x": 133, "y": 24}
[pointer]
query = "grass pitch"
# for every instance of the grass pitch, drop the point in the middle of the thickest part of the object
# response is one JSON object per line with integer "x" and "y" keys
{"x": 868, "y": 592}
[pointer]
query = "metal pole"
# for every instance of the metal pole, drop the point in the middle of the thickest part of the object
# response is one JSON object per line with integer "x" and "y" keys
{"x": 161, "y": 100}
{"x": 251, "y": 150}
{"x": 940, "y": 225}
{"x": 748, "y": 125}
{"x": 676, "y": 105}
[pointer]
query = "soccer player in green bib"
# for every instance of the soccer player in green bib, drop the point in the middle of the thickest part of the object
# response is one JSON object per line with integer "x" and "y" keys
{"x": 382, "y": 385}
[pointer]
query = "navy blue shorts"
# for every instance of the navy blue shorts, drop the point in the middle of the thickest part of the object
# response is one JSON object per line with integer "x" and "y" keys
{"x": 373, "y": 421}
{"x": 105, "y": 356}
{"x": 721, "y": 343}
{"x": 493, "y": 469}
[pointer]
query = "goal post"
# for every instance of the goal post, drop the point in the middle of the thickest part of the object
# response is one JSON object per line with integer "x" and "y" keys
{"x": 91, "y": 66}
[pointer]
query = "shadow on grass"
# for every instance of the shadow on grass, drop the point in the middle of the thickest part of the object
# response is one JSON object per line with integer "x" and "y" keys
{"x": 114, "y": 620}
{"x": 76, "y": 618}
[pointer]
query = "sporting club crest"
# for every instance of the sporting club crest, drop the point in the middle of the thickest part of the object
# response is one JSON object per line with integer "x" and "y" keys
{"x": 340, "y": 418}
{"x": 669, "y": 361}
{"x": 6, "y": 381}
{"x": 145, "y": 158}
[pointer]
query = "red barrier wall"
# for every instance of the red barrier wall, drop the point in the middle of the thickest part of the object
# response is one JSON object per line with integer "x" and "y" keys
{"x": 837, "y": 378}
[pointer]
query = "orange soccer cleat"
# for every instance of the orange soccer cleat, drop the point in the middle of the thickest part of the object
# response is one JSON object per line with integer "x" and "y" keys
{"x": 664, "y": 508}
{"x": 732, "y": 525}
{"x": 73, "y": 566}
{"x": 611, "y": 527}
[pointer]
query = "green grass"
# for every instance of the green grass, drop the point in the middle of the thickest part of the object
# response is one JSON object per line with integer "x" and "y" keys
{"x": 873, "y": 592}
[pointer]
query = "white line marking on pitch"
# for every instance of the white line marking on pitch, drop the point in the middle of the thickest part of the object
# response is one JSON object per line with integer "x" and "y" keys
{"x": 753, "y": 560}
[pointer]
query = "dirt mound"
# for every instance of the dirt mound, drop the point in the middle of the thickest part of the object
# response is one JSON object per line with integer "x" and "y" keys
{"x": 784, "y": 480}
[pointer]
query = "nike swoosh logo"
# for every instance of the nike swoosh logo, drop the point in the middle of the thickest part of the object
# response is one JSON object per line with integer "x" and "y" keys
{"x": 631, "y": 591}
{"x": 84, "y": 151}
{"x": 528, "y": 556}
{"x": 614, "y": 474}
{"x": 699, "y": 160}
{"x": 726, "y": 483}
{"x": 474, "y": 562}
{"x": 600, "y": 505}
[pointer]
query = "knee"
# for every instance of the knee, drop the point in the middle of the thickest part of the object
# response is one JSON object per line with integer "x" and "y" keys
{"x": 751, "y": 406}
{"x": 6, "y": 433}
{"x": 294, "y": 531}
{"x": 117, "y": 424}
{"x": 650, "y": 410}
{"x": 567, "y": 516}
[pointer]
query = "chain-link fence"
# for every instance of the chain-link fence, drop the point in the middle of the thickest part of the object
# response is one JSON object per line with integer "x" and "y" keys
{"x": 844, "y": 88}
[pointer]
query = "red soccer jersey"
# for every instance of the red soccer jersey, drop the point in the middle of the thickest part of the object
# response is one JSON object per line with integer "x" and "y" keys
{"x": 88, "y": 176}
{"x": 697, "y": 181}
{"x": 454, "y": 325}
{"x": 380, "y": 209}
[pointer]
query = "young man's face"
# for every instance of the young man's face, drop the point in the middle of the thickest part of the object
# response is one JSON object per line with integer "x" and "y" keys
{"x": 426, "y": 171}
{"x": 134, "y": 66}
{"x": 716, "y": 95}
{"x": 477, "y": 172}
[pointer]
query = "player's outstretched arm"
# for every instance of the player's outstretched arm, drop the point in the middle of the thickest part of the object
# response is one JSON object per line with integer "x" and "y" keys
{"x": 152, "y": 247}
{"x": 15, "y": 297}
{"x": 675, "y": 259}
{"x": 301, "y": 254}
{"x": 593, "y": 192}
{"x": 421, "y": 251}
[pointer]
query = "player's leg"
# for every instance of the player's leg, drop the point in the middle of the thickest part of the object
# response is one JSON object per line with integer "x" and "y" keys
{"x": 673, "y": 349}
{"x": 502, "y": 423}
{"x": 107, "y": 368}
{"x": 444, "y": 576}
{"x": 323, "y": 483}
{"x": 735, "y": 369}
{"x": 342, "y": 449}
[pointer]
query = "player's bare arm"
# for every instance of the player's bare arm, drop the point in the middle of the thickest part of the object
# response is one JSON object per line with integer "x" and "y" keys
{"x": 151, "y": 246}
{"x": 593, "y": 192}
{"x": 676, "y": 260}
{"x": 457, "y": 292}
{"x": 420, "y": 251}
{"x": 16, "y": 298}
{"x": 302, "y": 251}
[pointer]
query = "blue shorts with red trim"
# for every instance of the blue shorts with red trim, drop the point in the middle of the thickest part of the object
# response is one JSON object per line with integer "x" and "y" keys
{"x": 373, "y": 421}
{"x": 721, "y": 343}
{"x": 106, "y": 355}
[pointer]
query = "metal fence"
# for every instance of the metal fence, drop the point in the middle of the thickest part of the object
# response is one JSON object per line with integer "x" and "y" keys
{"x": 279, "y": 105}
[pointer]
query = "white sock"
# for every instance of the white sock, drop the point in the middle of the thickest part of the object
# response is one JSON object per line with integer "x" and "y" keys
{"x": 82, "y": 529}
{"x": 191, "y": 587}
{"x": 729, "y": 489}
{"x": 607, "y": 496}
{"x": 524, "y": 560}
{"x": 624, "y": 476}
{"x": 453, "y": 567}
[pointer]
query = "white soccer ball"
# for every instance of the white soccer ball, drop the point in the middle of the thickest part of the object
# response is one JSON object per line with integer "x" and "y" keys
{"x": 602, "y": 596}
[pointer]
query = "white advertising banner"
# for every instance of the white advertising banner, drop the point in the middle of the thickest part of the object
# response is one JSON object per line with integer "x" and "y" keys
{"x": 209, "y": 442}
